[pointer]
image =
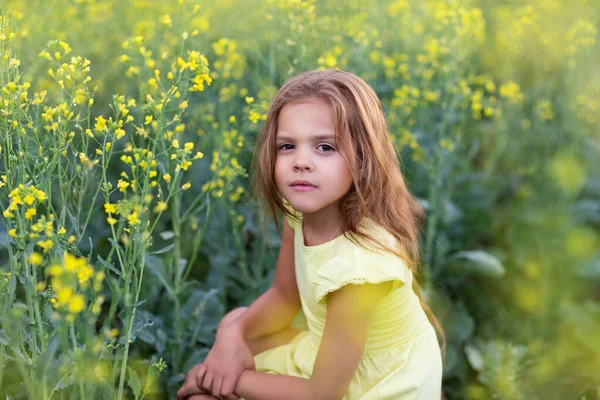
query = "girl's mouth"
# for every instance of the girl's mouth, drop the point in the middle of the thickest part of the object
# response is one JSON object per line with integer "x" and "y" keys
{"x": 303, "y": 187}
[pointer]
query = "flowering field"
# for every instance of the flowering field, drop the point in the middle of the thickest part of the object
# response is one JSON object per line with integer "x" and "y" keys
{"x": 127, "y": 229}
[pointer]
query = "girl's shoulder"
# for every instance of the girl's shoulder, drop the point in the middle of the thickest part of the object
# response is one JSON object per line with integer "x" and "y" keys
{"x": 351, "y": 262}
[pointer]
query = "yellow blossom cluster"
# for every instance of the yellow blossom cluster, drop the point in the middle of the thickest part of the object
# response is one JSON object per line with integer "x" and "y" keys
{"x": 512, "y": 92}
{"x": 24, "y": 202}
{"x": 257, "y": 108}
{"x": 581, "y": 35}
{"x": 182, "y": 155}
{"x": 14, "y": 94}
{"x": 230, "y": 92}
{"x": 229, "y": 63}
{"x": 57, "y": 118}
{"x": 227, "y": 170}
{"x": 198, "y": 64}
{"x": 128, "y": 208}
{"x": 69, "y": 76}
{"x": 70, "y": 280}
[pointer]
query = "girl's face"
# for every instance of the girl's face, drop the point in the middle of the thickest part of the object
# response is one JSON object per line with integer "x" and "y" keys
{"x": 307, "y": 151}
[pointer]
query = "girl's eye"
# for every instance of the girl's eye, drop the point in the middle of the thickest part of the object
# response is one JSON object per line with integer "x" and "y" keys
{"x": 326, "y": 147}
{"x": 283, "y": 146}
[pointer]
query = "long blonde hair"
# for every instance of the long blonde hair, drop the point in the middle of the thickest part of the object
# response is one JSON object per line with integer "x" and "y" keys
{"x": 379, "y": 191}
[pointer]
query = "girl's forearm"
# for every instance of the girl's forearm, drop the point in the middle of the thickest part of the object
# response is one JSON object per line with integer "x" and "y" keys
{"x": 270, "y": 313}
{"x": 254, "y": 385}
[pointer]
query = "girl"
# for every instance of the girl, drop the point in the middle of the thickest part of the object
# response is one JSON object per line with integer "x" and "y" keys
{"x": 349, "y": 250}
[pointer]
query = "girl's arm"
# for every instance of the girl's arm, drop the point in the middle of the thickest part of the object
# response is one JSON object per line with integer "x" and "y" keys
{"x": 271, "y": 312}
{"x": 349, "y": 312}
{"x": 276, "y": 308}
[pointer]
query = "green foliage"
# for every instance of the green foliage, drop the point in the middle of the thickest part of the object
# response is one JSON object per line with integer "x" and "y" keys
{"x": 130, "y": 126}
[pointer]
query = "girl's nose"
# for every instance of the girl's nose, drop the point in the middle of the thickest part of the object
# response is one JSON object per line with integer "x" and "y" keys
{"x": 302, "y": 162}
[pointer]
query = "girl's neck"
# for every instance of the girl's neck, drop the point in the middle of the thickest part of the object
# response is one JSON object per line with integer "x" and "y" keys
{"x": 320, "y": 231}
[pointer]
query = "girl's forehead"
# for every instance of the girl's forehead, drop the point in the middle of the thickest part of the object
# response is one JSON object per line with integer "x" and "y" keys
{"x": 306, "y": 115}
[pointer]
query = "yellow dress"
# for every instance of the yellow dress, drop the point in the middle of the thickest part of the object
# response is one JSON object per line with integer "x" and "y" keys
{"x": 402, "y": 358}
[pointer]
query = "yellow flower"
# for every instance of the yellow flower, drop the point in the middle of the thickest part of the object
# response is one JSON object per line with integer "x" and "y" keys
{"x": 99, "y": 277}
{"x": 35, "y": 258}
{"x": 41, "y": 195}
{"x": 41, "y": 286}
{"x": 188, "y": 146}
{"x": 254, "y": 116}
{"x": 198, "y": 155}
{"x": 46, "y": 245}
{"x": 110, "y": 208}
{"x": 72, "y": 263}
{"x": 30, "y": 213}
{"x": 77, "y": 304}
{"x": 133, "y": 218}
{"x": 186, "y": 186}
{"x": 167, "y": 178}
{"x": 122, "y": 185}
{"x": 100, "y": 123}
{"x": 97, "y": 307}
{"x": 148, "y": 120}
{"x": 160, "y": 206}
{"x": 64, "y": 295}
{"x": 12, "y": 233}
{"x": 111, "y": 220}
{"x": 71, "y": 239}
{"x": 166, "y": 20}
{"x": 55, "y": 270}
{"x": 62, "y": 231}
{"x": 8, "y": 214}
{"x": 29, "y": 199}
{"x": 85, "y": 274}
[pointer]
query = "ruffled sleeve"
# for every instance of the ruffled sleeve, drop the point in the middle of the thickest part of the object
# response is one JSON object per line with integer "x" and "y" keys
{"x": 357, "y": 267}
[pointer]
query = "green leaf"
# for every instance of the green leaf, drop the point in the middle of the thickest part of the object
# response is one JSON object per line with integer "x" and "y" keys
{"x": 477, "y": 262}
{"x": 163, "y": 250}
{"x": 109, "y": 266}
{"x": 157, "y": 267}
{"x": 137, "y": 327}
{"x": 64, "y": 382}
{"x": 138, "y": 303}
{"x": 48, "y": 356}
{"x": 115, "y": 244}
{"x": 134, "y": 383}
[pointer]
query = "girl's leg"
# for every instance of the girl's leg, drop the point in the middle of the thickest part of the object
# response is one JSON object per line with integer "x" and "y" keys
{"x": 262, "y": 343}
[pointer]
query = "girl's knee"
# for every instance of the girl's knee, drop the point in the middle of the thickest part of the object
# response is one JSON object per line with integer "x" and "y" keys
{"x": 232, "y": 316}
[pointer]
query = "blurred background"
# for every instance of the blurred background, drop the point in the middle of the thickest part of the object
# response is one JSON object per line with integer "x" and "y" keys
{"x": 494, "y": 107}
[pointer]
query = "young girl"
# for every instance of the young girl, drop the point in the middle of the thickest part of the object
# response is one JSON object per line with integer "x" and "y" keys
{"x": 349, "y": 250}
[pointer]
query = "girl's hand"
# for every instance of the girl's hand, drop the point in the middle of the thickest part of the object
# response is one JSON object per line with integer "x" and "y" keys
{"x": 228, "y": 358}
{"x": 190, "y": 391}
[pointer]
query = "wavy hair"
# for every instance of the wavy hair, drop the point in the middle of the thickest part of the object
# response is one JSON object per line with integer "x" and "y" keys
{"x": 379, "y": 191}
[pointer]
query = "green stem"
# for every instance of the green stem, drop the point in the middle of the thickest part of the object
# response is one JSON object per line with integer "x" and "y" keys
{"x": 177, "y": 280}
{"x": 127, "y": 340}
{"x": 74, "y": 344}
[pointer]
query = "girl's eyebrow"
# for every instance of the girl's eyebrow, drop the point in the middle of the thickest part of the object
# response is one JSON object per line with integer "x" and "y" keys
{"x": 328, "y": 137}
